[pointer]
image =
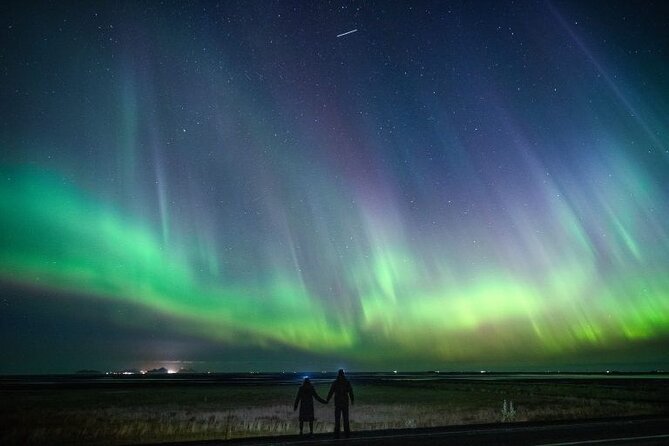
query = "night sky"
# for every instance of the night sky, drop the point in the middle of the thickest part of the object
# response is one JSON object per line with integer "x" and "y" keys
{"x": 232, "y": 186}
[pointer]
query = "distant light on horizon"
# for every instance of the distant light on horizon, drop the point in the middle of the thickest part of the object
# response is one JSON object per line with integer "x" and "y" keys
{"x": 470, "y": 195}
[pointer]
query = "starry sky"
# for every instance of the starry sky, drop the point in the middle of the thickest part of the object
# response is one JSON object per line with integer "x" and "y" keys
{"x": 231, "y": 186}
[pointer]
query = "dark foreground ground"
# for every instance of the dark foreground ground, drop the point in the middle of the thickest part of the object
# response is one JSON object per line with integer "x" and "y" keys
{"x": 640, "y": 431}
{"x": 113, "y": 410}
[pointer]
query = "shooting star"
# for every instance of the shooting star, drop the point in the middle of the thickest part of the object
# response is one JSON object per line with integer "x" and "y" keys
{"x": 347, "y": 32}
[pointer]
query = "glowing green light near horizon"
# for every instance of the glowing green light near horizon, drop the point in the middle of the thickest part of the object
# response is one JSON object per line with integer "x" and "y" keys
{"x": 57, "y": 237}
{"x": 469, "y": 194}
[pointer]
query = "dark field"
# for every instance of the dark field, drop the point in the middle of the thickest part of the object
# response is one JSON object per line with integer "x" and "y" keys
{"x": 106, "y": 410}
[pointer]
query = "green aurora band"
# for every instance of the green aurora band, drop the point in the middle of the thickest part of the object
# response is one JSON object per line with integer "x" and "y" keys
{"x": 57, "y": 237}
{"x": 450, "y": 186}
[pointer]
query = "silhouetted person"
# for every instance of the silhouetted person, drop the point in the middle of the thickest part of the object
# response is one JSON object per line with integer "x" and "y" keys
{"x": 342, "y": 390}
{"x": 305, "y": 398}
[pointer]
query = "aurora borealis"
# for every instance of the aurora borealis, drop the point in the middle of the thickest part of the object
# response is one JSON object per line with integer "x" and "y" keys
{"x": 231, "y": 185}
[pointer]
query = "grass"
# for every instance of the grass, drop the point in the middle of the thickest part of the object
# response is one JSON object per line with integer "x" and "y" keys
{"x": 172, "y": 413}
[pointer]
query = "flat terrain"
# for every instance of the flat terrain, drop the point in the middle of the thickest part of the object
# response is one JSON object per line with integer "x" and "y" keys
{"x": 645, "y": 431}
{"x": 106, "y": 410}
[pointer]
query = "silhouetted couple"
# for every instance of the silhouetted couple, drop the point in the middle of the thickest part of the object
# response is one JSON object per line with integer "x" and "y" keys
{"x": 340, "y": 388}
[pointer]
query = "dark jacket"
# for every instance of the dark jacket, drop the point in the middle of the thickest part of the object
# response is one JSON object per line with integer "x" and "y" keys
{"x": 341, "y": 388}
{"x": 305, "y": 397}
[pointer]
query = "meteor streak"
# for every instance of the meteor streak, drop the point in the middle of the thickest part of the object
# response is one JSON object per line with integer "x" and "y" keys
{"x": 347, "y": 32}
